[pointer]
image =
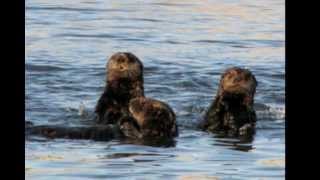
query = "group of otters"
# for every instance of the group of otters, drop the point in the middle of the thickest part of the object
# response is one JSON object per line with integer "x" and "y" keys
{"x": 123, "y": 111}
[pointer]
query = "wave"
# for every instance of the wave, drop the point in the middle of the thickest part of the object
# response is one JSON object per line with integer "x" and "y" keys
{"x": 246, "y": 43}
{"x": 65, "y": 9}
{"x": 270, "y": 112}
{"x": 46, "y": 68}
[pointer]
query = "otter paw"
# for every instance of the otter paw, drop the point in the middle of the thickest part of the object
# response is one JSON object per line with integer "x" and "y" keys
{"x": 246, "y": 129}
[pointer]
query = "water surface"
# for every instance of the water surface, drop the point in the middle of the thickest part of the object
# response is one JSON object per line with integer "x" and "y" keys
{"x": 185, "y": 46}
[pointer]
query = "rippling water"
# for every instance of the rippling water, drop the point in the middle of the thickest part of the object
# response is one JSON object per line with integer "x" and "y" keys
{"x": 185, "y": 46}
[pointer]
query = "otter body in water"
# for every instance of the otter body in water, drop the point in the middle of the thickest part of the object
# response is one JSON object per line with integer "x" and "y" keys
{"x": 232, "y": 110}
{"x": 149, "y": 118}
{"x": 95, "y": 132}
{"x": 124, "y": 82}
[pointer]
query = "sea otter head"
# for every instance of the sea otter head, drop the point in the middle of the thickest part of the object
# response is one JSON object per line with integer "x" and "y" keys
{"x": 152, "y": 118}
{"x": 237, "y": 85}
{"x": 125, "y": 74}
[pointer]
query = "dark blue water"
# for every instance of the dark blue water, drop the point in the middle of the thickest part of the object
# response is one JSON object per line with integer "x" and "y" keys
{"x": 185, "y": 46}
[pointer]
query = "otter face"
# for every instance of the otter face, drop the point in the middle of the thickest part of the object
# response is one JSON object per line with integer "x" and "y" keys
{"x": 124, "y": 65}
{"x": 155, "y": 118}
{"x": 237, "y": 83}
{"x": 125, "y": 76}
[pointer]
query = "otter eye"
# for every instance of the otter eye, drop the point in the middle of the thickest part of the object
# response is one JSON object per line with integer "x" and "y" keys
{"x": 237, "y": 79}
{"x": 121, "y": 60}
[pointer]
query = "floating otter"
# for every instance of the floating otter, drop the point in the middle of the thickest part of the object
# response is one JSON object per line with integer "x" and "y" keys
{"x": 149, "y": 118}
{"x": 95, "y": 132}
{"x": 124, "y": 82}
{"x": 122, "y": 110}
{"x": 232, "y": 110}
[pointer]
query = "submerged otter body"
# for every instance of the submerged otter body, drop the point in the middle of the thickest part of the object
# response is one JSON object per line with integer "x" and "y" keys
{"x": 122, "y": 110}
{"x": 98, "y": 133}
{"x": 232, "y": 110}
{"x": 149, "y": 118}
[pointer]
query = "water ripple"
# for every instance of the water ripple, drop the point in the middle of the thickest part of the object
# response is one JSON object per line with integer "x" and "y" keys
{"x": 87, "y": 35}
{"x": 43, "y": 68}
{"x": 78, "y": 10}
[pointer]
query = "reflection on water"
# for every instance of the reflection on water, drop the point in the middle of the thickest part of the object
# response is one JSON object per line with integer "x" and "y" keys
{"x": 165, "y": 143}
{"x": 241, "y": 144}
{"x": 185, "y": 46}
{"x": 126, "y": 155}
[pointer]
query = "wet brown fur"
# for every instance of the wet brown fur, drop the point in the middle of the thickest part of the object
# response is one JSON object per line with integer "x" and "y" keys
{"x": 150, "y": 118}
{"x": 232, "y": 110}
{"x": 124, "y": 82}
{"x": 98, "y": 133}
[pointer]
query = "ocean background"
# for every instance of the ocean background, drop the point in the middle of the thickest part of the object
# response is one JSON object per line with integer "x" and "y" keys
{"x": 185, "y": 46}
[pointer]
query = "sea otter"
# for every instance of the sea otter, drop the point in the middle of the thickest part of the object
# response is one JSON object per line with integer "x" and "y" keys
{"x": 232, "y": 111}
{"x": 122, "y": 110}
{"x": 124, "y": 82}
{"x": 149, "y": 118}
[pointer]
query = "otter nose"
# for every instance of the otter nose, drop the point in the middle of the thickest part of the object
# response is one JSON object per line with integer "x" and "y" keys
{"x": 121, "y": 67}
